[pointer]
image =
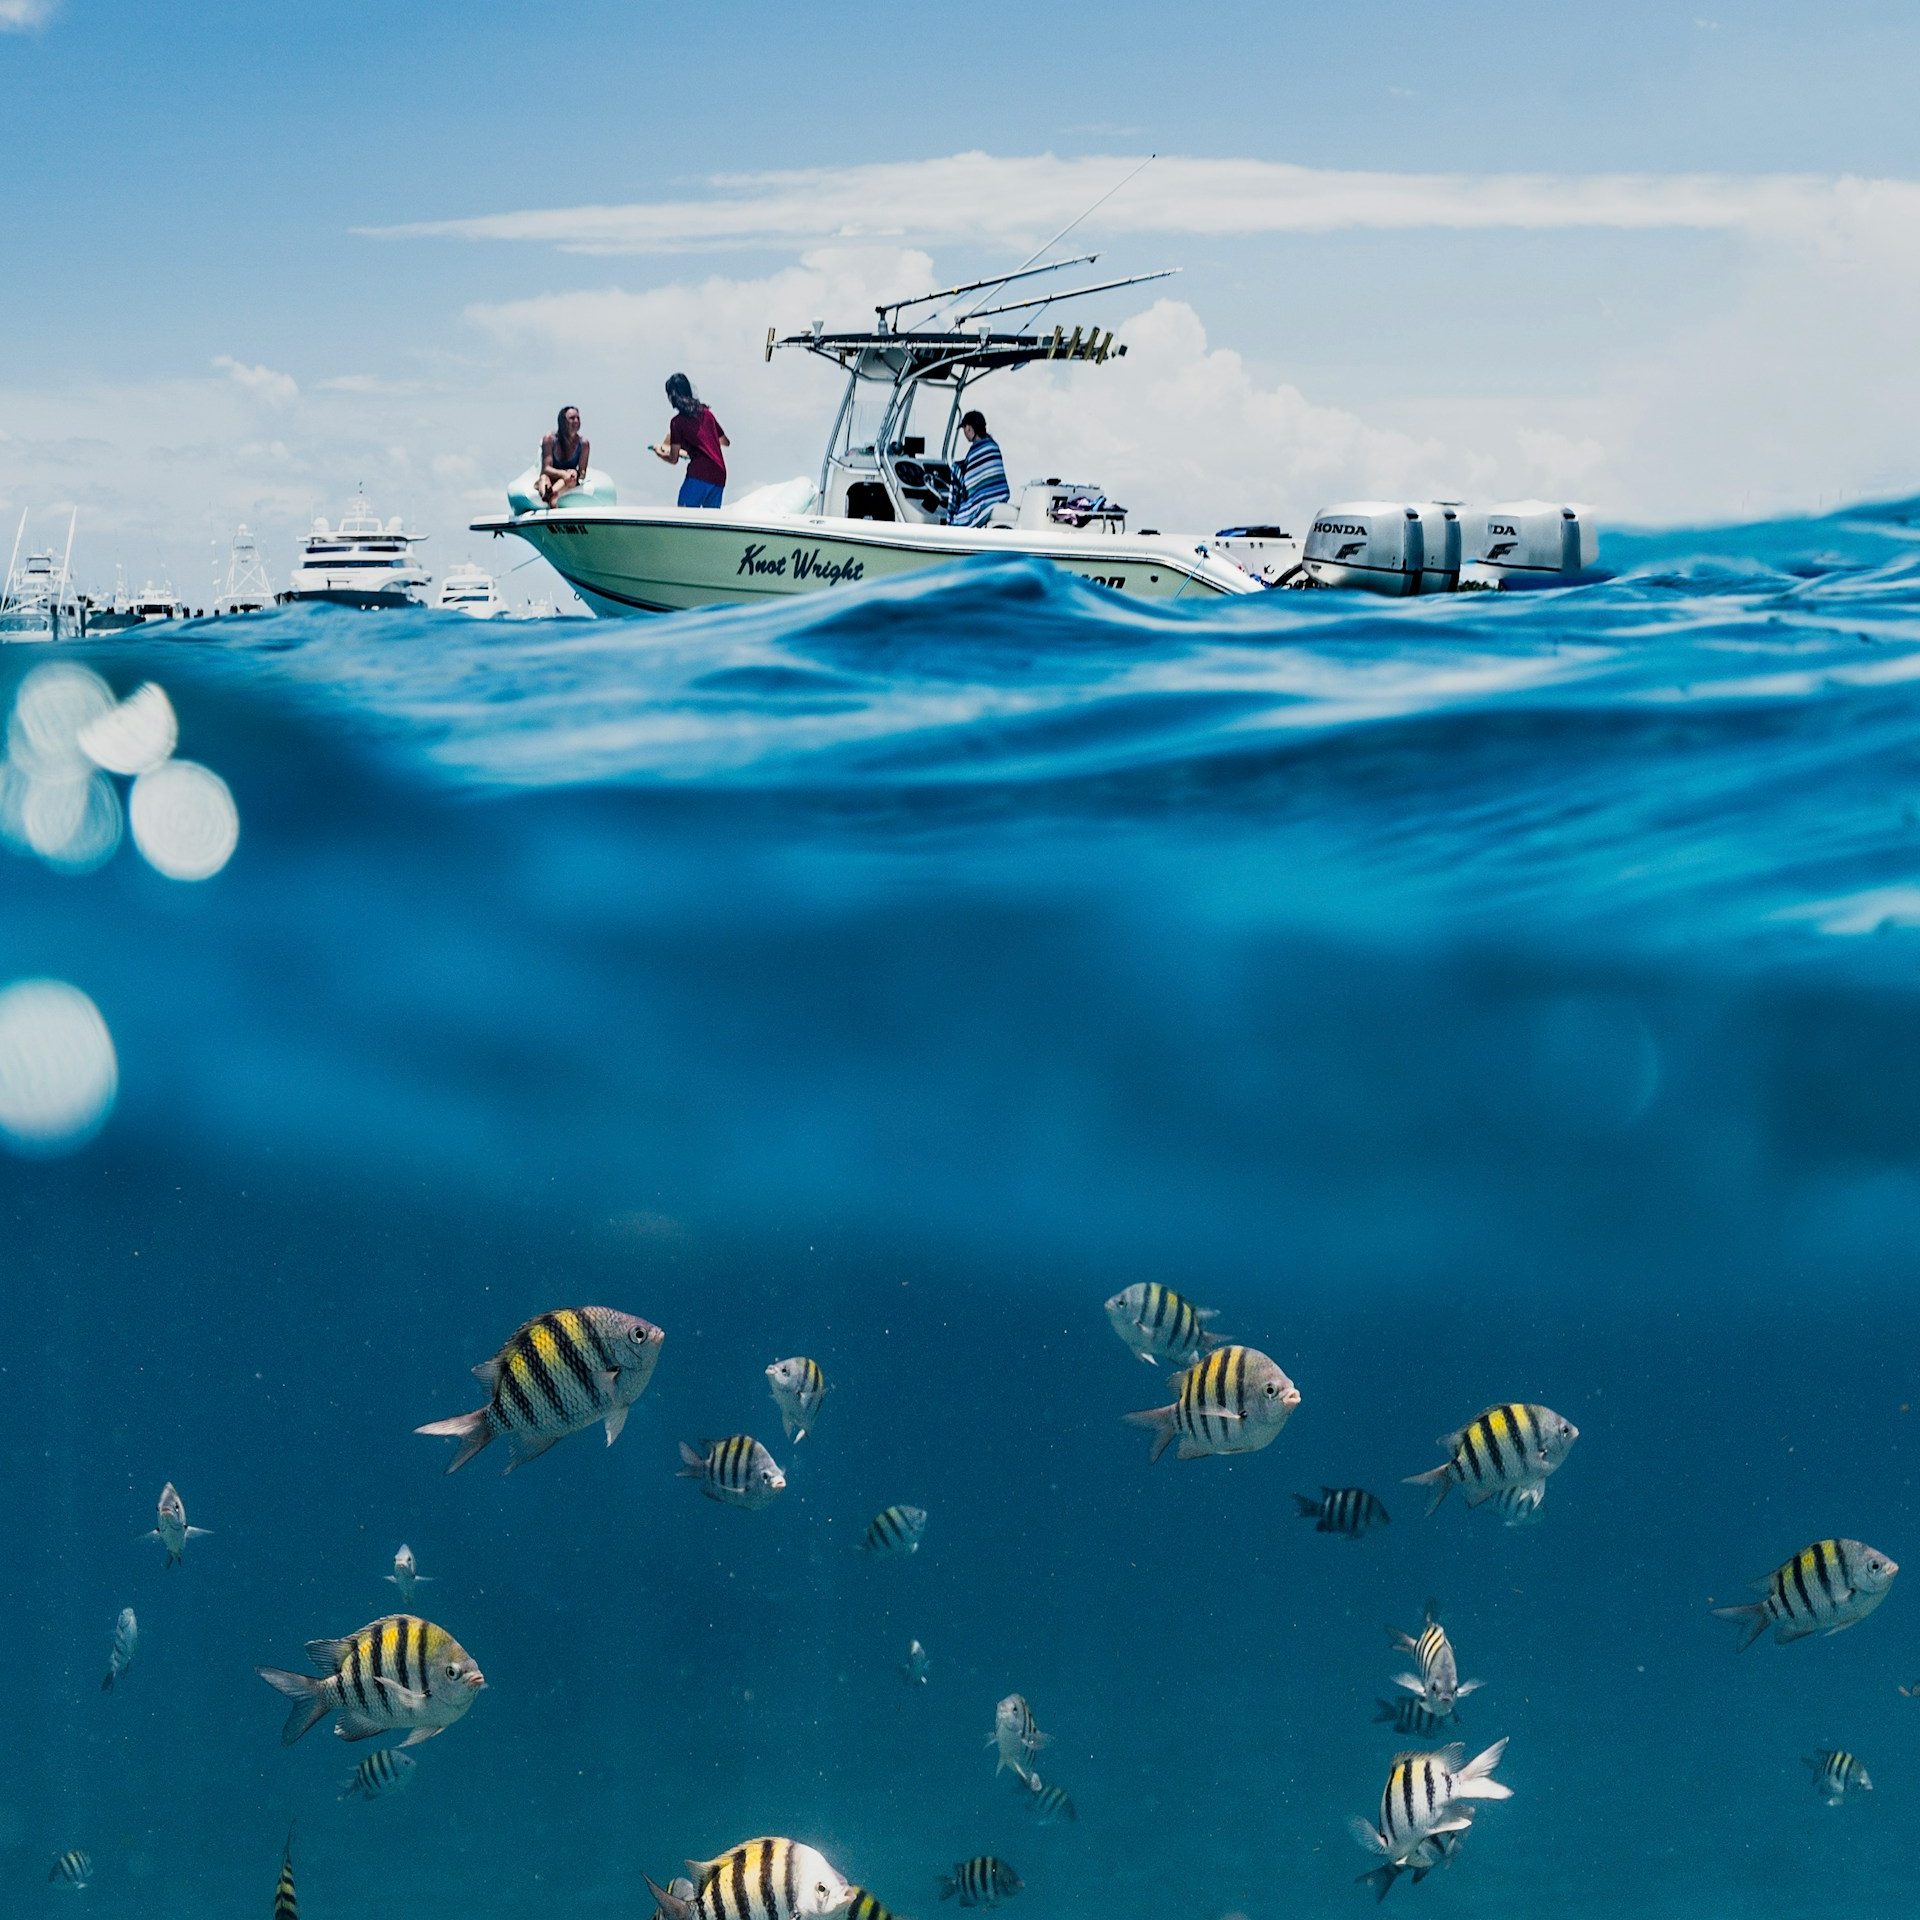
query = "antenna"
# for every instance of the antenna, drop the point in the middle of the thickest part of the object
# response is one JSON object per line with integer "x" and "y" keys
{"x": 66, "y": 564}
{"x": 13, "y": 560}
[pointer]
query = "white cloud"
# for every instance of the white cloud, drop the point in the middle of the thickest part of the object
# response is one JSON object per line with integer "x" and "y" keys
{"x": 1015, "y": 202}
{"x": 276, "y": 389}
{"x": 21, "y": 16}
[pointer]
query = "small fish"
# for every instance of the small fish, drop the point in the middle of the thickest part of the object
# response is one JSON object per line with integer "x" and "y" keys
{"x": 895, "y": 1530}
{"x": 1234, "y": 1401}
{"x": 766, "y": 1879}
{"x": 1837, "y": 1774}
{"x": 286, "y": 1902}
{"x": 1015, "y": 1734}
{"x": 1438, "y": 1685}
{"x": 1824, "y": 1588}
{"x": 738, "y": 1470}
{"x": 560, "y": 1374}
{"x": 982, "y": 1881}
{"x": 1159, "y": 1324}
{"x": 1433, "y": 1852}
{"x": 1405, "y": 1714}
{"x": 1427, "y": 1794}
{"x": 798, "y": 1388}
{"x": 173, "y": 1533}
{"x": 406, "y": 1574}
{"x": 73, "y": 1869}
{"x": 385, "y": 1770}
{"x": 1348, "y": 1510}
{"x": 864, "y": 1906}
{"x": 399, "y": 1671}
{"x": 1520, "y": 1506}
{"x": 1507, "y": 1446}
{"x": 914, "y": 1672}
{"x": 126, "y": 1643}
{"x": 1047, "y": 1803}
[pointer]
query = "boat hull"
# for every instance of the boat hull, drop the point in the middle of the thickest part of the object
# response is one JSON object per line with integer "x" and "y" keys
{"x": 672, "y": 560}
{"x": 366, "y": 599}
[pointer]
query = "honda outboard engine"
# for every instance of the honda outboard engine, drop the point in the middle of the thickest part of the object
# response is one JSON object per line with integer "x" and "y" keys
{"x": 1440, "y": 539}
{"x": 1378, "y": 546}
{"x": 1529, "y": 543}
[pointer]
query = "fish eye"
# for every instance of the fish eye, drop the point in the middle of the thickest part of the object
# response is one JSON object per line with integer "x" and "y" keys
{"x": 453, "y": 1672}
{"x": 1272, "y": 1390}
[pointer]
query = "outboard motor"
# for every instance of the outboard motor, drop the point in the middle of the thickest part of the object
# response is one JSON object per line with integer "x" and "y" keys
{"x": 1440, "y": 537}
{"x": 1530, "y": 543}
{"x": 1378, "y": 546}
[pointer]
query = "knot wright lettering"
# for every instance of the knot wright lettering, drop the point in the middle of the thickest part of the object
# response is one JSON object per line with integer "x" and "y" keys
{"x": 802, "y": 563}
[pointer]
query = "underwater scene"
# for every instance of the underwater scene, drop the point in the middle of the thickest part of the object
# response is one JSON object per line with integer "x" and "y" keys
{"x": 1452, "y": 1067}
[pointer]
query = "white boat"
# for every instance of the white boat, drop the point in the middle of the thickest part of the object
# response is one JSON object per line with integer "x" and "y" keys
{"x": 38, "y": 602}
{"x": 471, "y": 590}
{"x": 248, "y": 588}
{"x": 880, "y": 508}
{"x": 128, "y": 610}
{"x": 363, "y": 562}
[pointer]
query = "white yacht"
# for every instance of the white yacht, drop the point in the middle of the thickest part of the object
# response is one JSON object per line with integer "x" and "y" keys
{"x": 471, "y": 590}
{"x": 248, "y": 588}
{"x": 881, "y": 505}
{"x": 363, "y": 562}
{"x": 127, "y": 610}
{"x": 37, "y": 602}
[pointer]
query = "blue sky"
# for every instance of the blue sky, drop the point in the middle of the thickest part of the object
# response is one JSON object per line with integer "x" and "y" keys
{"x": 208, "y": 330}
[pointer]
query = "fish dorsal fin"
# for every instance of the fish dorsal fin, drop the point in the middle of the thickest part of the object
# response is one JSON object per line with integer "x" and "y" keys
{"x": 488, "y": 1370}
{"x": 1451, "y": 1441}
{"x": 328, "y": 1653}
{"x": 1452, "y": 1756}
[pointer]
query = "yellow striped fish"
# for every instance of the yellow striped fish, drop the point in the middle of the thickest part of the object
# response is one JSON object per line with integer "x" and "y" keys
{"x": 1234, "y": 1401}
{"x": 798, "y": 1388}
{"x": 766, "y": 1879}
{"x": 400, "y": 1671}
{"x": 1438, "y": 1685}
{"x": 1045, "y": 1801}
{"x": 1824, "y": 1588}
{"x": 561, "y": 1373}
{"x": 286, "y": 1903}
{"x": 72, "y": 1869}
{"x": 1016, "y": 1736}
{"x": 738, "y": 1470}
{"x": 1428, "y": 1794}
{"x": 1161, "y": 1325}
{"x": 1347, "y": 1510}
{"x": 1507, "y": 1446}
{"x": 863, "y": 1906}
{"x": 1433, "y": 1852}
{"x": 1837, "y": 1774}
{"x": 982, "y": 1881}
{"x": 895, "y": 1530}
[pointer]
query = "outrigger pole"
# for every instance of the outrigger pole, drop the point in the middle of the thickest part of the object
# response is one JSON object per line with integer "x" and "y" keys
{"x": 975, "y": 286}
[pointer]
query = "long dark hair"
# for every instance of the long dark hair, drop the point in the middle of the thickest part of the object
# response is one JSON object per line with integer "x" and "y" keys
{"x": 680, "y": 392}
{"x": 560, "y": 423}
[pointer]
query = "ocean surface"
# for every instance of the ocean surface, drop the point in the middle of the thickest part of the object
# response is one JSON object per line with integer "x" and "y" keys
{"x": 1495, "y": 998}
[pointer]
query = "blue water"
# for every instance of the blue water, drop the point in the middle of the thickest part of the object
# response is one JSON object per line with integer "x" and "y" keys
{"x": 1502, "y": 997}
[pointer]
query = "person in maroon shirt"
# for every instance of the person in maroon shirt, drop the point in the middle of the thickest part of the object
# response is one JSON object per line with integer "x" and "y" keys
{"x": 695, "y": 436}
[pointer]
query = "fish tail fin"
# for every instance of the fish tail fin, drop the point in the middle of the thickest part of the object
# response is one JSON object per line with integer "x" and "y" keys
{"x": 107, "y": 1680}
{"x": 1439, "y": 1479}
{"x": 669, "y": 1902}
{"x": 693, "y": 1463}
{"x": 949, "y": 1886}
{"x": 1381, "y": 1880}
{"x": 473, "y": 1430}
{"x": 1475, "y": 1780}
{"x": 309, "y": 1707}
{"x": 1752, "y": 1616}
{"x": 1160, "y": 1420}
{"x": 1308, "y": 1505}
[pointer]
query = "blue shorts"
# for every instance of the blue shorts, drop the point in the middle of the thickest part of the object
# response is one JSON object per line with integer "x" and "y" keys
{"x": 699, "y": 493}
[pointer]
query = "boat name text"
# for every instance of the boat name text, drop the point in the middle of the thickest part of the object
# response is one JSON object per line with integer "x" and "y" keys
{"x": 800, "y": 563}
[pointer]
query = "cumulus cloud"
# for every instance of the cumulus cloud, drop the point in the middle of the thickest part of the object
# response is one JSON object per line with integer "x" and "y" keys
{"x": 276, "y": 389}
{"x": 1018, "y": 201}
{"x": 20, "y": 16}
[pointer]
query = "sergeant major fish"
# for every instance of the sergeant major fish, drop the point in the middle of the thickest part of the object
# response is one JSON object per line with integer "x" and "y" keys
{"x": 1347, "y": 1510}
{"x": 1158, "y": 1324}
{"x": 1234, "y": 1401}
{"x": 1824, "y": 1588}
{"x": 1507, "y": 1446}
{"x": 1438, "y": 1685}
{"x": 1015, "y": 1735}
{"x": 737, "y": 1470}
{"x": 406, "y": 1574}
{"x": 863, "y": 1906}
{"x": 766, "y": 1879}
{"x": 72, "y": 1869}
{"x": 982, "y": 1881}
{"x": 561, "y": 1373}
{"x": 1047, "y": 1803}
{"x": 1520, "y": 1506}
{"x": 1837, "y": 1774}
{"x": 1406, "y": 1714}
{"x": 172, "y": 1532}
{"x": 126, "y": 1643}
{"x": 895, "y": 1530}
{"x": 798, "y": 1388}
{"x": 1428, "y": 1794}
{"x": 286, "y": 1902}
{"x": 385, "y": 1770}
{"x": 396, "y": 1672}
{"x": 1430, "y": 1853}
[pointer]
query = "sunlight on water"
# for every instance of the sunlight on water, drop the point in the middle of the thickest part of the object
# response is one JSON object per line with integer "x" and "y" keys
{"x": 58, "y": 1075}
